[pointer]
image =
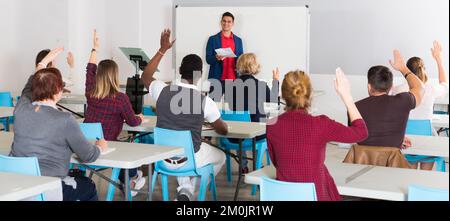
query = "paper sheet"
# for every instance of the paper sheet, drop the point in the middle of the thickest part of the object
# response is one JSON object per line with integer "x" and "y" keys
{"x": 110, "y": 150}
{"x": 225, "y": 52}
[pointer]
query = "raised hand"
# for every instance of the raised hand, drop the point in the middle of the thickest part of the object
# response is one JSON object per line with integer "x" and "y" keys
{"x": 50, "y": 57}
{"x": 399, "y": 63}
{"x": 276, "y": 74}
{"x": 436, "y": 51}
{"x": 70, "y": 60}
{"x": 96, "y": 40}
{"x": 102, "y": 145}
{"x": 166, "y": 43}
{"x": 342, "y": 86}
{"x": 406, "y": 143}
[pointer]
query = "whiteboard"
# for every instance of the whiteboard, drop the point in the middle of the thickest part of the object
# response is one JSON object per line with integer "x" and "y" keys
{"x": 278, "y": 35}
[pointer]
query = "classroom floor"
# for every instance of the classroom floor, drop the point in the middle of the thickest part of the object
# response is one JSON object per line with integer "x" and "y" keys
{"x": 225, "y": 190}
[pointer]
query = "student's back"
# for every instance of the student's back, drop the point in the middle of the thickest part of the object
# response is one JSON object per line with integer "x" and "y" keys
{"x": 386, "y": 118}
{"x": 50, "y": 135}
{"x": 106, "y": 104}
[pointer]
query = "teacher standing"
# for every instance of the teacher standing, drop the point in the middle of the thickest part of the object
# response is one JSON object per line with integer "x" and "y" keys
{"x": 221, "y": 68}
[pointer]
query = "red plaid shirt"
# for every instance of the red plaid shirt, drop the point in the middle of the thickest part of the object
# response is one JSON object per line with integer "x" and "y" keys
{"x": 297, "y": 146}
{"x": 111, "y": 112}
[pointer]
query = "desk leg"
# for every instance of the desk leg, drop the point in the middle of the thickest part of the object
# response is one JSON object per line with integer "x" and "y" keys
{"x": 254, "y": 153}
{"x": 127, "y": 186}
{"x": 238, "y": 185}
{"x": 150, "y": 176}
{"x": 7, "y": 124}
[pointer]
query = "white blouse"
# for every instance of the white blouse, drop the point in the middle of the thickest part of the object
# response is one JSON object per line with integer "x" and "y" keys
{"x": 425, "y": 110}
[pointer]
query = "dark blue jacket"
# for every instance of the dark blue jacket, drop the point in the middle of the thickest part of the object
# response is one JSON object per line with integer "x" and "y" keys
{"x": 216, "y": 67}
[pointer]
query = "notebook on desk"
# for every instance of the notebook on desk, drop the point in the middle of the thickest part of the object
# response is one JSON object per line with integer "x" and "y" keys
{"x": 108, "y": 151}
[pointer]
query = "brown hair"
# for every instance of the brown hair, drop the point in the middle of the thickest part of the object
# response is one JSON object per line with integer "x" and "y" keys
{"x": 380, "y": 78}
{"x": 248, "y": 64}
{"x": 417, "y": 66}
{"x": 46, "y": 83}
{"x": 41, "y": 55}
{"x": 297, "y": 90}
{"x": 107, "y": 80}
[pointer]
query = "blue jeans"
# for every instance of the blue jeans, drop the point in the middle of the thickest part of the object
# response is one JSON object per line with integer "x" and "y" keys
{"x": 85, "y": 190}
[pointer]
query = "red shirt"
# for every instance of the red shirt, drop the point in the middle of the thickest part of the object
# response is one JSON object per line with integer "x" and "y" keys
{"x": 111, "y": 112}
{"x": 297, "y": 145}
{"x": 229, "y": 64}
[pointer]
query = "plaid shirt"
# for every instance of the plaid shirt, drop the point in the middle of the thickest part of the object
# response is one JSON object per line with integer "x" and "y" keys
{"x": 111, "y": 112}
{"x": 297, "y": 146}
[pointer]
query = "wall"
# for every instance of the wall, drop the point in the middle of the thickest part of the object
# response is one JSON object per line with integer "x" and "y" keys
{"x": 352, "y": 34}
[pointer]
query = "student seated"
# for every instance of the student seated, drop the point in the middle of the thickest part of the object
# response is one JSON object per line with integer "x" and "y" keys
{"x": 386, "y": 116}
{"x": 42, "y": 131}
{"x": 250, "y": 94}
{"x": 297, "y": 140}
{"x": 108, "y": 106}
{"x": 68, "y": 83}
{"x": 169, "y": 102}
{"x": 432, "y": 91}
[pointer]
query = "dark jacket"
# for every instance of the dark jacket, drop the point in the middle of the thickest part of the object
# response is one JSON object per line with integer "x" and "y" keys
{"x": 215, "y": 42}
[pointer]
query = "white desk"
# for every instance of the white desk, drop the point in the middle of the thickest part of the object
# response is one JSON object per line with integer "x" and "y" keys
{"x": 379, "y": 183}
{"x": 440, "y": 121}
{"x": 15, "y": 187}
{"x": 6, "y": 112}
{"x": 428, "y": 146}
{"x": 73, "y": 99}
{"x": 237, "y": 130}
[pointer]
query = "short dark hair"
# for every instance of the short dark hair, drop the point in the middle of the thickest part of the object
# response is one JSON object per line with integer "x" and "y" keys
{"x": 228, "y": 14}
{"x": 189, "y": 65}
{"x": 41, "y": 55}
{"x": 380, "y": 78}
{"x": 46, "y": 83}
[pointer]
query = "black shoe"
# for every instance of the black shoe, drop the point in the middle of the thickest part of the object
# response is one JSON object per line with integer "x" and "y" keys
{"x": 184, "y": 195}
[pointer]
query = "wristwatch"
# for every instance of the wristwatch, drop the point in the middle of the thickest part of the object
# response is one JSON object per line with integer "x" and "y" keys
{"x": 407, "y": 74}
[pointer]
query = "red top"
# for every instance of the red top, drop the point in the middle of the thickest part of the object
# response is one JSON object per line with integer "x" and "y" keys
{"x": 297, "y": 145}
{"x": 229, "y": 64}
{"x": 111, "y": 112}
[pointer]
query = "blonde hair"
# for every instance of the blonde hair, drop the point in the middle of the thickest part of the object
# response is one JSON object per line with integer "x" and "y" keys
{"x": 107, "y": 80}
{"x": 297, "y": 90}
{"x": 248, "y": 64}
{"x": 417, "y": 66}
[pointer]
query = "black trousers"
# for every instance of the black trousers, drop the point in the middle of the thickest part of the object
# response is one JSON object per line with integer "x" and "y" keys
{"x": 85, "y": 191}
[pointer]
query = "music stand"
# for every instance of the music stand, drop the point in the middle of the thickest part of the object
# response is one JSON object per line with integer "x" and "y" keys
{"x": 135, "y": 88}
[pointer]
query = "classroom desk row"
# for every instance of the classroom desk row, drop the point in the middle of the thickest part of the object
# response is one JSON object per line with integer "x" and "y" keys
{"x": 126, "y": 156}
{"x": 421, "y": 145}
{"x": 15, "y": 187}
{"x": 364, "y": 181}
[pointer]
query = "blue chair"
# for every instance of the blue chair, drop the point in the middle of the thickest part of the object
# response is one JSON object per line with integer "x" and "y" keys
{"x": 92, "y": 131}
{"x": 183, "y": 139}
{"x": 27, "y": 166}
{"x": 148, "y": 139}
{"x": 419, "y": 193}
{"x": 6, "y": 100}
{"x": 261, "y": 145}
{"x": 423, "y": 128}
{"x": 273, "y": 190}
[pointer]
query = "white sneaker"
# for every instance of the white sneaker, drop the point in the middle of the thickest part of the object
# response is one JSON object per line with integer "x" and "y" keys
{"x": 139, "y": 183}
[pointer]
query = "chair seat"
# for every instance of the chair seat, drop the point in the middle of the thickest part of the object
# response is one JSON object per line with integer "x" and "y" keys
{"x": 199, "y": 172}
{"x": 247, "y": 145}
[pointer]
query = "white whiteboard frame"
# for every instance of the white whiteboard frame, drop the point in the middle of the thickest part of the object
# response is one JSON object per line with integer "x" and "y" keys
{"x": 236, "y": 3}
